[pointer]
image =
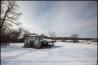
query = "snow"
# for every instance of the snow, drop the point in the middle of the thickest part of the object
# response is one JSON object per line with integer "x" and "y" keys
{"x": 64, "y": 53}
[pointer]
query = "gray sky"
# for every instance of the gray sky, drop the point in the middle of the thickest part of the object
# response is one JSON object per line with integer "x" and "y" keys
{"x": 62, "y": 17}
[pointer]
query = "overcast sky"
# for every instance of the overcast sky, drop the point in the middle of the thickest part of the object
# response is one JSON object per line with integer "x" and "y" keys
{"x": 62, "y": 17}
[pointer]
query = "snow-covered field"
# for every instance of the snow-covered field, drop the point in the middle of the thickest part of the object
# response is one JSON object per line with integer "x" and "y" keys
{"x": 64, "y": 53}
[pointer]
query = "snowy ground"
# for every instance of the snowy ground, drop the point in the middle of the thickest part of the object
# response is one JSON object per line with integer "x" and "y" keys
{"x": 64, "y": 53}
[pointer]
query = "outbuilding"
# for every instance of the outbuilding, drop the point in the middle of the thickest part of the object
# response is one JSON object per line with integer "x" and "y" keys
{"x": 37, "y": 41}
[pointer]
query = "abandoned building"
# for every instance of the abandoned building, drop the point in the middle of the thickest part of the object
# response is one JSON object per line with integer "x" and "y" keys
{"x": 37, "y": 41}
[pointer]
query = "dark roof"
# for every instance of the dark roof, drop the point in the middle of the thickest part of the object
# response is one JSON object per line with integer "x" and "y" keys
{"x": 42, "y": 35}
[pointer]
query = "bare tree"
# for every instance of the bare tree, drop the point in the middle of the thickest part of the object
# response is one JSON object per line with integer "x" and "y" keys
{"x": 53, "y": 35}
{"x": 75, "y": 37}
{"x": 9, "y": 14}
{"x": 15, "y": 34}
{"x": 25, "y": 33}
{"x": 11, "y": 36}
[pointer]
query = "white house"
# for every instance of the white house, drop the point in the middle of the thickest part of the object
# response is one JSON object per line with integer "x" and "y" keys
{"x": 37, "y": 41}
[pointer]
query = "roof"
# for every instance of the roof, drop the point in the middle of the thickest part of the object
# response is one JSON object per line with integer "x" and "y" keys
{"x": 34, "y": 34}
{"x": 42, "y": 35}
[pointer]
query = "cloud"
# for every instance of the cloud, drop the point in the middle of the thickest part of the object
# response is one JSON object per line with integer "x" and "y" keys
{"x": 62, "y": 17}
